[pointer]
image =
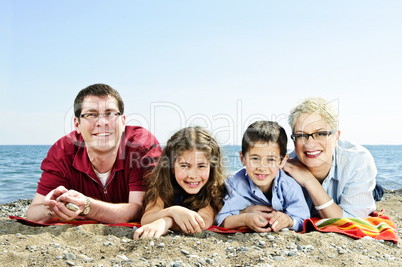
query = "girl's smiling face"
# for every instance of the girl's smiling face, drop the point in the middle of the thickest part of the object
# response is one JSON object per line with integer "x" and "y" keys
{"x": 191, "y": 170}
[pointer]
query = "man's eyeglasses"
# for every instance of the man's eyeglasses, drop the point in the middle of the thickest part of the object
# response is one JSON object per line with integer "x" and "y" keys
{"x": 319, "y": 136}
{"x": 95, "y": 116}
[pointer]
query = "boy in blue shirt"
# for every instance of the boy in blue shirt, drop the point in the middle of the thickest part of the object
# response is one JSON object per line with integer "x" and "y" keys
{"x": 261, "y": 196}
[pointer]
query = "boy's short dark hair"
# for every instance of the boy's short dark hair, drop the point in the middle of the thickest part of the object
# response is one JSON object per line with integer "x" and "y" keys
{"x": 98, "y": 89}
{"x": 265, "y": 131}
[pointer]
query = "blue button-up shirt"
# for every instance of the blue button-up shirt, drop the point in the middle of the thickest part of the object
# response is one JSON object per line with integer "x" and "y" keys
{"x": 287, "y": 197}
{"x": 351, "y": 180}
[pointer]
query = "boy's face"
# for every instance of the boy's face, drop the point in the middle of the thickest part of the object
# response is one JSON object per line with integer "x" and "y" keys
{"x": 262, "y": 162}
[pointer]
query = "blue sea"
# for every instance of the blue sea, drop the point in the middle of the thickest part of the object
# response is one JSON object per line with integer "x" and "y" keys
{"x": 20, "y": 167}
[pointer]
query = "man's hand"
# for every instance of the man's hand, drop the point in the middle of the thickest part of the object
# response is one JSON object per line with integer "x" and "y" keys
{"x": 57, "y": 200}
{"x": 50, "y": 200}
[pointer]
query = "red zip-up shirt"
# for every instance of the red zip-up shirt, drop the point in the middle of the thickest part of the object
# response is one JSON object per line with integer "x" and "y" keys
{"x": 67, "y": 164}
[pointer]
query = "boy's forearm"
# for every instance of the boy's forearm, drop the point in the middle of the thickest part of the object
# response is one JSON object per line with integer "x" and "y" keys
{"x": 235, "y": 221}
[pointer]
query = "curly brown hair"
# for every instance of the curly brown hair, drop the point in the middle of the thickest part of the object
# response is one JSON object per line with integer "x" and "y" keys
{"x": 162, "y": 182}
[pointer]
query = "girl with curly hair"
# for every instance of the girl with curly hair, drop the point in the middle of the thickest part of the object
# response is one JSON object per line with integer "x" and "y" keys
{"x": 186, "y": 188}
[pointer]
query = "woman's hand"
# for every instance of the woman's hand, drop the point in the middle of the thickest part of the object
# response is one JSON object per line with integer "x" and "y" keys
{"x": 299, "y": 172}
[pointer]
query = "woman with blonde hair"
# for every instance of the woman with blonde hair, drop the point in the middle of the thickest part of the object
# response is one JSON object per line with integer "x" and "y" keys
{"x": 338, "y": 175}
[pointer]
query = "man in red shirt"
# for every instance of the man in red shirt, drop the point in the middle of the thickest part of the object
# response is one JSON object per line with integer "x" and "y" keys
{"x": 96, "y": 171}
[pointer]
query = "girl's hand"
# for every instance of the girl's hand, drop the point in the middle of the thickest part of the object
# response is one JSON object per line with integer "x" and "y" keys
{"x": 258, "y": 222}
{"x": 154, "y": 229}
{"x": 190, "y": 222}
{"x": 280, "y": 220}
{"x": 299, "y": 172}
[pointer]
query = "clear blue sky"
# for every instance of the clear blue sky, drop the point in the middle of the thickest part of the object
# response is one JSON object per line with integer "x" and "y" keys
{"x": 218, "y": 64}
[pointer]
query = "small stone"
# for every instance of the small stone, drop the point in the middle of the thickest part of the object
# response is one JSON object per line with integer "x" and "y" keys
{"x": 84, "y": 257}
{"x": 342, "y": 251}
{"x": 122, "y": 257}
{"x": 107, "y": 243}
{"x": 291, "y": 253}
{"x": 192, "y": 256}
{"x": 71, "y": 263}
{"x": 69, "y": 256}
{"x": 161, "y": 245}
{"x": 278, "y": 258}
{"x": 72, "y": 207}
{"x": 185, "y": 252}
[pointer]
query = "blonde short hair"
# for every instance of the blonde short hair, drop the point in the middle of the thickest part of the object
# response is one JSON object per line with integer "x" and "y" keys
{"x": 314, "y": 105}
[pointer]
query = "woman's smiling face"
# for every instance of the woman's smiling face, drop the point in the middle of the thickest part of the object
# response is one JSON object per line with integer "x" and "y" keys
{"x": 315, "y": 154}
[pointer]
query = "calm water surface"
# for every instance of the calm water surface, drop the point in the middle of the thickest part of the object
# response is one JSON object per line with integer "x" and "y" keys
{"x": 20, "y": 168}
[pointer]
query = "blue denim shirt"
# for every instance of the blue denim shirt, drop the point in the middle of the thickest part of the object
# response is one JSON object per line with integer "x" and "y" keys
{"x": 287, "y": 197}
{"x": 351, "y": 180}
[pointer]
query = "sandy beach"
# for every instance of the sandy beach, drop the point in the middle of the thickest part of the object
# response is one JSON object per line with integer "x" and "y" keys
{"x": 100, "y": 245}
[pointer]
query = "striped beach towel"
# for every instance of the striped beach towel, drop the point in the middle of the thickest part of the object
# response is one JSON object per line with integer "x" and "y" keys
{"x": 377, "y": 226}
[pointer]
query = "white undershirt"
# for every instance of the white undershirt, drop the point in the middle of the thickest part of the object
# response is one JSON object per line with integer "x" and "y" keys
{"x": 102, "y": 176}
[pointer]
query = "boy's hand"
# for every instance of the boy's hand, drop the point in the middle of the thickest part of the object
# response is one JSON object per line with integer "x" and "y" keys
{"x": 258, "y": 222}
{"x": 280, "y": 220}
{"x": 257, "y": 209}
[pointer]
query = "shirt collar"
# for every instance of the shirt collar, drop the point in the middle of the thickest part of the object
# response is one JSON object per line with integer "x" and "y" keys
{"x": 331, "y": 175}
{"x": 82, "y": 163}
{"x": 254, "y": 188}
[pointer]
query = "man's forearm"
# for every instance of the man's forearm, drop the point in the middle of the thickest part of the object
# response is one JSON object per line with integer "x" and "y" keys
{"x": 38, "y": 213}
{"x": 114, "y": 213}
